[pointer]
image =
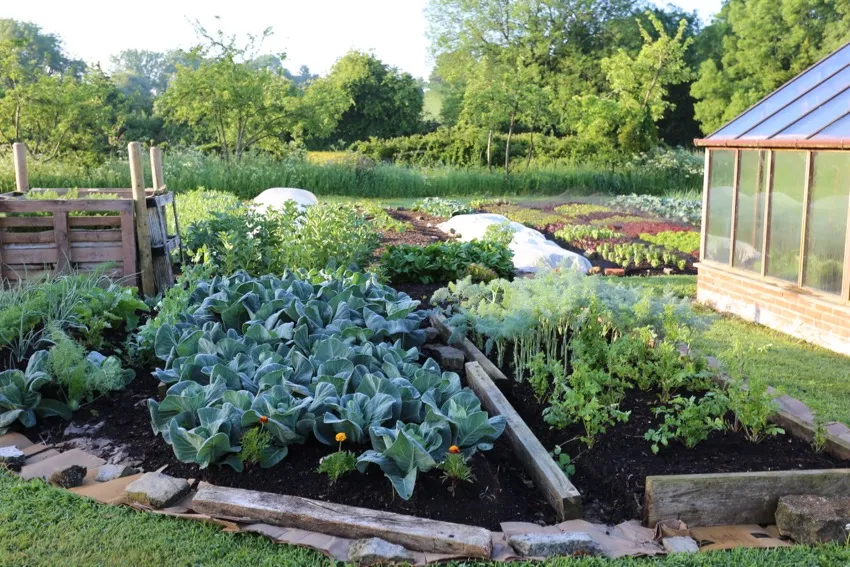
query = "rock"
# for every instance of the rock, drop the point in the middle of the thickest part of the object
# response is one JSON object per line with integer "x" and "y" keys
{"x": 12, "y": 457}
{"x": 548, "y": 545}
{"x": 431, "y": 334}
{"x": 449, "y": 358}
{"x": 69, "y": 477}
{"x": 667, "y": 271}
{"x": 375, "y": 550}
{"x": 595, "y": 270}
{"x": 810, "y": 519}
{"x": 106, "y": 473}
{"x": 680, "y": 544}
{"x": 276, "y": 197}
{"x": 617, "y": 272}
{"x": 157, "y": 490}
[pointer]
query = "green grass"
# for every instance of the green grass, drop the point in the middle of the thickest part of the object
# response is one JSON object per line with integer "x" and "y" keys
{"x": 816, "y": 376}
{"x": 43, "y": 525}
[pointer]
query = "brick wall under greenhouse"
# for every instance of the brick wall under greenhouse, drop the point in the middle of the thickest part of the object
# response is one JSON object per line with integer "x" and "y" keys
{"x": 790, "y": 310}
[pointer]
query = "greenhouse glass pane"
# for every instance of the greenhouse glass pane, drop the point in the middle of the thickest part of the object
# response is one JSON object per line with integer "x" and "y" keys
{"x": 786, "y": 215}
{"x": 801, "y": 106}
{"x": 720, "y": 183}
{"x": 817, "y": 119}
{"x": 839, "y": 129}
{"x": 786, "y": 94}
{"x": 827, "y": 222}
{"x": 749, "y": 227}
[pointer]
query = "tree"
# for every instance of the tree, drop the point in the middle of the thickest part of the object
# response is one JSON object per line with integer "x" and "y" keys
{"x": 641, "y": 82}
{"x": 227, "y": 98}
{"x": 764, "y": 44}
{"x": 48, "y": 101}
{"x": 383, "y": 102}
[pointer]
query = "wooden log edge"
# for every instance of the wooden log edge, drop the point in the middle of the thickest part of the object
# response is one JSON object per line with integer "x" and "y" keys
{"x": 472, "y": 352}
{"x": 557, "y": 489}
{"x": 418, "y": 534}
{"x": 717, "y": 499}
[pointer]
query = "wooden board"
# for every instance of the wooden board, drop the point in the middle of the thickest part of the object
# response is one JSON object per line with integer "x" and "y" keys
{"x": 472, "y": 352}
{"x": 734, "y": 498}
{"x": 27, "y": 222}
{"x": 547, "y": 475}
{"x": 62, "y": 205}
{"x": 417, "y": 534}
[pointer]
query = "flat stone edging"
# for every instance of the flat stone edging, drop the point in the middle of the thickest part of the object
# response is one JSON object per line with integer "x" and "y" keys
{"x": 561, "y": 494}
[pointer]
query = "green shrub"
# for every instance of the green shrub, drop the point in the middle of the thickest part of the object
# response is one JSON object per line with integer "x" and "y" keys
{"x": 443, "y": 262}
{"x": 689, "y": 420}
{"x": 325, "y": 235}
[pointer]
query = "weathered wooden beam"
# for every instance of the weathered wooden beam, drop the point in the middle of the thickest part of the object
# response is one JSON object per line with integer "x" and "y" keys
{"x": 19, "y": 150}
{"x": 63, "y": 241}
{"x": 64, "y": 205}
{"x": 472, "y": 352}
{"x": 143, "y": 235}
{"x": 734, "y": 498}
{"x": 546, "y": 474}
{"x": 419, "y": 534}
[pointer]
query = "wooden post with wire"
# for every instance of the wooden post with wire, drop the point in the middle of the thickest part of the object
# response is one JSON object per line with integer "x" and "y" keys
{"x": 143, "y": 234}
{"x": 22, "y": 182}
{"x": 161, "y": 245}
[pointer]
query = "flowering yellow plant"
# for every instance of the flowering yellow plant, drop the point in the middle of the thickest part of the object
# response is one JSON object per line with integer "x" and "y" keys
{"x": 341, "y": 437}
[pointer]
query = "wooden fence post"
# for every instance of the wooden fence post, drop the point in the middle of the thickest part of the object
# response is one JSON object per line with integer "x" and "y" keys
{"x": 21, "y": 178}
{"x": 143, "y": 235}
{"x": 157, "y": 176}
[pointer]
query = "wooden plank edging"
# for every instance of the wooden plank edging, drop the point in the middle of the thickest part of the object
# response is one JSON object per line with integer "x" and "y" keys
{"x": 734, "y": 498}
{"x": 547, "y": 475}
{"x": 472, "y": 352}
{"x": 418, "y": 534}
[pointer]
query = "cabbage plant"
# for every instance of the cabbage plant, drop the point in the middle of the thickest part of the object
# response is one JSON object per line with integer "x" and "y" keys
{"x": 20, "y": 395}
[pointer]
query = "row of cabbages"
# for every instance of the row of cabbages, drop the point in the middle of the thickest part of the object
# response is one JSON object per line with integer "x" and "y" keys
{"x": 311, "y": 354}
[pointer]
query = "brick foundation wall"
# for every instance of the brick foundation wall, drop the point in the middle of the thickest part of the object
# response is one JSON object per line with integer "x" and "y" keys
{"x": 790, "y": 310}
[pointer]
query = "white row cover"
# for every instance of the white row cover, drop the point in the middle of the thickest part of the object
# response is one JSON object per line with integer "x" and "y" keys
{"x": 532, "y": 251}
{"x": 276, "y": 197}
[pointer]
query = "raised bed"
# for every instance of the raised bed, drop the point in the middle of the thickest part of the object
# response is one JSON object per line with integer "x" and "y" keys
{"x": 620, "y": 478}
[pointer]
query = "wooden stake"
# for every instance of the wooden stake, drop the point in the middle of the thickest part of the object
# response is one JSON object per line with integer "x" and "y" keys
{"x": 21, "y": 179}
{"x": 143, "y": 235}
{"x": 156, "y": 169}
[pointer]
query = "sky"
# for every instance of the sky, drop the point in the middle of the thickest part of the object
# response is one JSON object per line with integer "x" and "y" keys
{"x": 312, "y": 32}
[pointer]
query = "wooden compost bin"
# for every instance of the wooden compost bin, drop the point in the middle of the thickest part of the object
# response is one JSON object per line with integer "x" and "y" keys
{"x": 122, "y": 231}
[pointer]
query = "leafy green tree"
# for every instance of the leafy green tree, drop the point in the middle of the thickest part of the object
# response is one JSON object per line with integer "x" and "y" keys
{"x": 227, "y": 100}
{"x": 48, "y": 101}
{"x": 382, "y": 102}
{"x": 764, "y": 44}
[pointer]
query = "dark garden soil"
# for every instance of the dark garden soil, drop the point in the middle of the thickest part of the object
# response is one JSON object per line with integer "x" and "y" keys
{"x": 501, "y": 491}
{"x": 421, "y": 292}
{"x": 611, "y": 476}
{"x": 421, "y": 232}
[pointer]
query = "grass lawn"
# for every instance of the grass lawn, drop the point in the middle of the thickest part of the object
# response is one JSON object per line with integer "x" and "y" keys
{"x": 42, "y": 525}
{"x": 814, "y": 375}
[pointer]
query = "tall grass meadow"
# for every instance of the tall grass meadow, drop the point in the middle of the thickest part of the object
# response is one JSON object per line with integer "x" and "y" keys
{"x": 186, "y": 170}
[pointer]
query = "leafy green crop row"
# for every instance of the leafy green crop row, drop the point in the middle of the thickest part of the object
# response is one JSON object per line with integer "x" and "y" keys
{"x": 682, "y": 240}
{"x": 441, "y": 207}
{"x": 581, "y": 350}
{"x": 443, "y": 262}
{"x": 582, "y": 234}
{"x": 310, "y": 354}
{"x": 639, "y": 255}
{"x": 682, "y": 210}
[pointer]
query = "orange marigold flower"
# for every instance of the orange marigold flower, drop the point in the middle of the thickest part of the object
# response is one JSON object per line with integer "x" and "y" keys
{"x": 263, "y": 419}
{"x": 454, "y": 449}
{"x": 340, "y": 437}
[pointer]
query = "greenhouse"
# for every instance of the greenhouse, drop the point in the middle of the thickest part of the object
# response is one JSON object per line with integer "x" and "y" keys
{"x": 775, "y": 208}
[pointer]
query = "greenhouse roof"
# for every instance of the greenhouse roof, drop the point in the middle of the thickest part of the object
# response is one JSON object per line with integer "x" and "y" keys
{"x": 812, "y": 110}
